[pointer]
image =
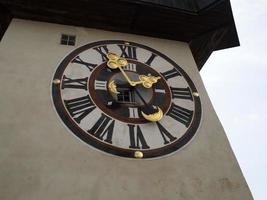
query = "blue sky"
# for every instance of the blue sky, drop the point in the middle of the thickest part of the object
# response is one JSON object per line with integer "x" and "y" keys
{"x": 236, "y": 80}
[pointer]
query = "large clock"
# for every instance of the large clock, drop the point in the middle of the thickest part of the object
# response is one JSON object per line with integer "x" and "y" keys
{"x": 126, "y": 99}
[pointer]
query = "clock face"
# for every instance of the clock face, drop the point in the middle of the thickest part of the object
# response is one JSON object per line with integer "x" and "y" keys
{"x": 126, "y": 99}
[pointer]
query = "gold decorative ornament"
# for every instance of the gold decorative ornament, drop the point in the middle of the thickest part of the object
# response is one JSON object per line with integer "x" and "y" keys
{"x": 113, "y": 87}
{"x": 113, "y": 56}
{"x": 116, "y": 62}
{"x": 56, "y": 81}
{"x": 153, "y": 117}
{"x": 138, "y": 154}
{"x": 148, "y": 81}
{"x": 195, "y": 94}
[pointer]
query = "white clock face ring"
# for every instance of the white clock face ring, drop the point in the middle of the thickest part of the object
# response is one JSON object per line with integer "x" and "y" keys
{"x": 126, "y": 99}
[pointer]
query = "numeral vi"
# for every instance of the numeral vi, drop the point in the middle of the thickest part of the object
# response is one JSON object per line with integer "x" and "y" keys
{"x": 166, "y": 136}
{"x": 137, "y": 140}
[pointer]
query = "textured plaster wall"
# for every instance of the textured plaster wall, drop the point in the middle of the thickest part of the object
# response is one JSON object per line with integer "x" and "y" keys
{"x": 40, "y": 159}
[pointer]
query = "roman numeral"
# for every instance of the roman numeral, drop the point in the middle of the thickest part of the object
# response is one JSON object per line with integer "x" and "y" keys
{"x": 167, "y": 137}
{"x": 78, "y": 60}
{"x": 80, "y": 83}
{"x": 80, "y": 107}
{"x": 102, "y": 50}
{"x": 137, "y": 140}
{"x": 150, "y": 59}
{"x": 170, "y": 74}
{"x": 100, "y": 85}
{"x": 180, "y": 114}
{"x": 103, "y": 128}
{"x": 130, "y": 67}
{"x": 133, "y": 112}
{"x": 181, "y": 93}
{"x": 128, "y": 51}
{"x": 160, "y": 91}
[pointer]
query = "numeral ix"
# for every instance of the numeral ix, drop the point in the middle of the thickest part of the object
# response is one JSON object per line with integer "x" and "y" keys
{"x": 80, "y": 107}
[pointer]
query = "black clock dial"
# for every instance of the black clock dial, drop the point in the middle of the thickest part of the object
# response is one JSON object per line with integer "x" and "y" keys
{"x": 154, "y": 110}
{"x": 128, "y": 105}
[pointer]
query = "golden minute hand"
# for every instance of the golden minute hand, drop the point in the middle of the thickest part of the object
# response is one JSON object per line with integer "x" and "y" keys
{"x": 115, "y": 62}
{"x": 127, "y": 77}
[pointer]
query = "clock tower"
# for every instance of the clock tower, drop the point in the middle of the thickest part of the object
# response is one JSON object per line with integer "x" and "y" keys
{"x": 104, "y": 100}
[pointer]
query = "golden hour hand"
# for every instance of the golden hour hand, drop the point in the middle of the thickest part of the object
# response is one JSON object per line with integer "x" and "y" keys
{"x": 150, "y": 112}
{"x": 116, "y": 62}
{"x": 154, "y": 117}
{"x": 147, "y": 81}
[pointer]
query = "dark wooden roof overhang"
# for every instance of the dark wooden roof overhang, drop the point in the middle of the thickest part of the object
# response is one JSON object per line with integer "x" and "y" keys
{"x": 207, "y": 25}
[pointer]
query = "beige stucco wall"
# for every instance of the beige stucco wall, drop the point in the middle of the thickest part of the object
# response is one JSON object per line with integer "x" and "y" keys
{"x": 40, "y": 159}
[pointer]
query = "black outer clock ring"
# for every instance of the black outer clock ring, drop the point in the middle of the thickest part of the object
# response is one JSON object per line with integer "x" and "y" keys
{"x": 96, "y": 143}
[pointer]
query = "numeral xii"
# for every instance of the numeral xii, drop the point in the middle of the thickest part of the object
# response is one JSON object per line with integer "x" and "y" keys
{"x": 128, "y": 51}
{"x": 137, "y": 139}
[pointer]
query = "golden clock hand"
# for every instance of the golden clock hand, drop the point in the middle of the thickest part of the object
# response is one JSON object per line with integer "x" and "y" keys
{"x": 152, "y": 116}
{"x": 115, "y": 62}
{"x": 148, "y": 81}
{"x": 126, "y": 77}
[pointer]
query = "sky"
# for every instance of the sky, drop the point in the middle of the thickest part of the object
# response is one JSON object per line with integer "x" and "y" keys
{"x": 236, "y": 80}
